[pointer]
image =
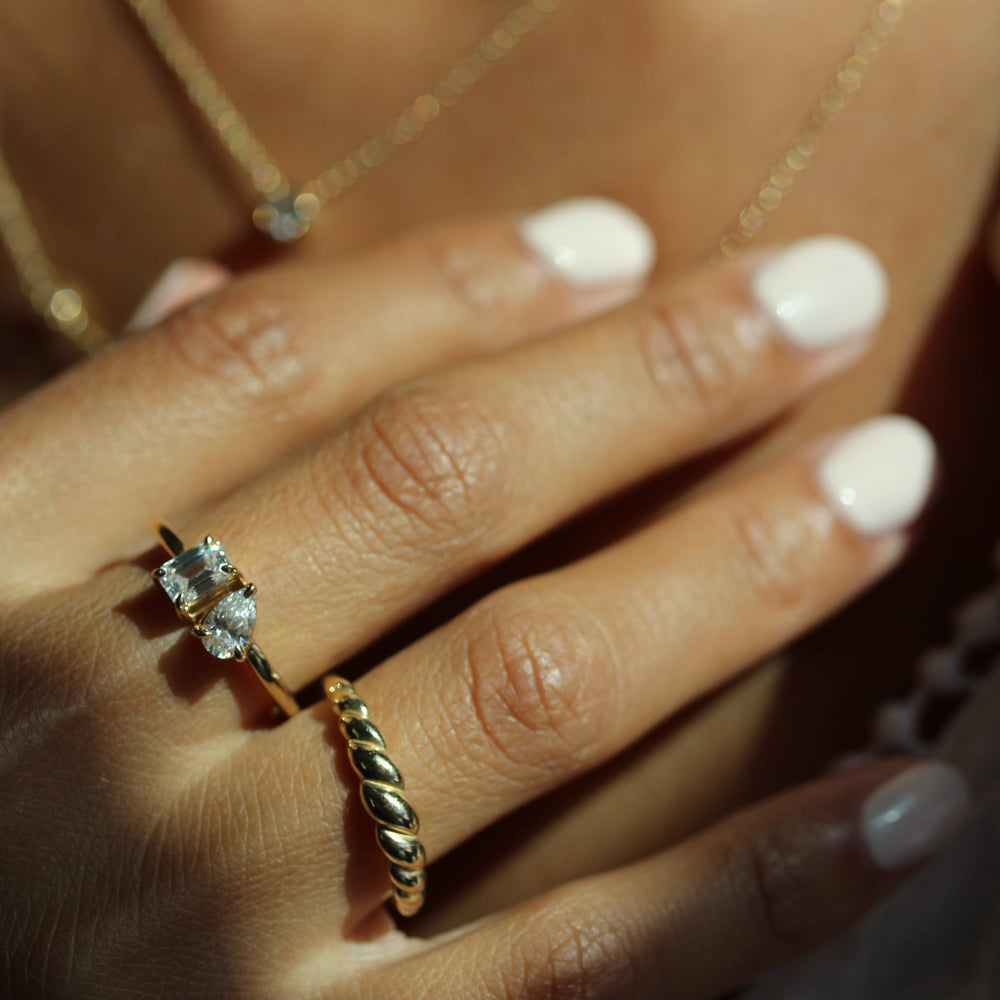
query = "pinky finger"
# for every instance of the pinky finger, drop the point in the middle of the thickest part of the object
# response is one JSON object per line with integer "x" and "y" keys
{"x": 711, "y": 913}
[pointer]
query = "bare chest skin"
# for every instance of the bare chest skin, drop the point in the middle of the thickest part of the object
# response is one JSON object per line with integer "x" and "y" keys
{"x": 676, "y": 109}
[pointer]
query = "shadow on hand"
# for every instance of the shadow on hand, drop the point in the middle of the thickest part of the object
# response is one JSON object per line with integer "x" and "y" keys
{"x": 191, "y": 671}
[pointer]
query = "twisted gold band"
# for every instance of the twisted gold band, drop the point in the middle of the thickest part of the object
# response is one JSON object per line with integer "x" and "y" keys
{"x": 396, "y": 824}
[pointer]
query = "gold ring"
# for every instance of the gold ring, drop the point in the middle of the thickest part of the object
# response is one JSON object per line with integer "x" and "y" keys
{"x": 211, "y": 596}
{"x": 396, "y": 824}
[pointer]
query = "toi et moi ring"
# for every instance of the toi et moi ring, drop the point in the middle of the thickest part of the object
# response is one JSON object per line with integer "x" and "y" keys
{"x": 211, "y": 596}
{"x": 396, "y": 824}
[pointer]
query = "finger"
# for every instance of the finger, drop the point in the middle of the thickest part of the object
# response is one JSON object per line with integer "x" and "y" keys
{"x": 184, "y": 282}
{"x": 447, "y": 475}
{"x": 706, "y": 916}
{"x": 550, "y": 677}
{"x": 223, "y": 389}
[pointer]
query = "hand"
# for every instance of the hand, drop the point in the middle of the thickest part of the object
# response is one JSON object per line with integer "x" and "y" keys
{"x": 620, "y": 99}
{"x": 157, "y": 839}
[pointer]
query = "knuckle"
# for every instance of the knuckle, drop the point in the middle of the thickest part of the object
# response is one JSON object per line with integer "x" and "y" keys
{"x": 577, "y": 956}
{"x": 461, "y": 264}
{"x": 572, "y": 956}
{"x": 695, "y": 356}
{"x": 776, "y": 883}
{"x": 772, "y": 552}
{"x": 538, "y": 677}
{"x": 433, "y": 457}
{"x": 244, "y": 343}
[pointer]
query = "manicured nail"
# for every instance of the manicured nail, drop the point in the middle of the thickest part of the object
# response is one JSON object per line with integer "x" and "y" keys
{"x": 590, "y": 242}
{"x": 879, "y": 475}
{"x": 822, "y": 291}
{"x": 914, "y": 814}
{"x": 182, "y": 282}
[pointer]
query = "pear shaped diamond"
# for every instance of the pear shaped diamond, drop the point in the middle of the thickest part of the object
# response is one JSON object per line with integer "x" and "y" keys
{"x": 227, "y": 630}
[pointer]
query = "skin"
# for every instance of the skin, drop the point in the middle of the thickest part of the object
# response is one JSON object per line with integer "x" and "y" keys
{"x": 198, "y": 847}
{"x": 686, "y": 167}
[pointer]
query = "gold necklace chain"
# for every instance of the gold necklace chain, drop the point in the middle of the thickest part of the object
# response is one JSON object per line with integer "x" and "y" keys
{"x": 286, "y": 213}
{"x": 58, "y": 305}
{"x": 832, "y": 103}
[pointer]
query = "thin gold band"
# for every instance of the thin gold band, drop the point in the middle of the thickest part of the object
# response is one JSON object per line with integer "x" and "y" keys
{"x": 196, "y": 614}
{"x": 396, "y": 824}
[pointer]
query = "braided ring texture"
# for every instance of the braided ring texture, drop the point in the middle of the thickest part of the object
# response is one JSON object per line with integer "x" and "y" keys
{"x": 396, "y": 824}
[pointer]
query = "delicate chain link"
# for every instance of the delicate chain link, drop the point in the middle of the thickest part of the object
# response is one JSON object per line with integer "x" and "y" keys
{"x": 206, "y": 94}
{"x": 448, "y": 91}
{"x": 832, "y": 103}
{"x": 59, "y": 306}
{"x": 286, "y": 213}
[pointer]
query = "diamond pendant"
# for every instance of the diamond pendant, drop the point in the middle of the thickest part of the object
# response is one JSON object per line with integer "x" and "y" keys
{"x": 286, "y": 219}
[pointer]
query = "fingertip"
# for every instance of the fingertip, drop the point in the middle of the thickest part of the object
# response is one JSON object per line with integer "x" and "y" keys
{"x": 822, "y": 291}
{"x": 181, "y": 283}
{"x": 912, "y": 816}
{"x": 592, "y": 243}
{"x": 879, "y": 475}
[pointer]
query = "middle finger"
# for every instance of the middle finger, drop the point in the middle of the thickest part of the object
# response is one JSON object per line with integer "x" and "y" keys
{"x": 454, "y": 471}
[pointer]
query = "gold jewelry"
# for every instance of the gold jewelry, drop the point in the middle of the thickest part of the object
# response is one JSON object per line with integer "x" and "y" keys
{"x": 396, "y": 824}
{"x": 59, "y": 306}
{"x": 286, "y": 214}
{"x": 833, "y": 101}
{"x": 211, "y": 596}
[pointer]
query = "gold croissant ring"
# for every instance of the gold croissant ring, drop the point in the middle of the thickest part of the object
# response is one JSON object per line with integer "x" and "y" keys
{"x": 396, "y": 824}
{"x": 211, "y": 596}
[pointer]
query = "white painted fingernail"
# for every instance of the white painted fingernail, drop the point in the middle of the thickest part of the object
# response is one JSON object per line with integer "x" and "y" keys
{"x": 822, "y": 291}
{"x": 182, "y": 282}
{"x": 591, "y": 241}
{"x": 879, "y": 475}
{"x": 913, "y": 815}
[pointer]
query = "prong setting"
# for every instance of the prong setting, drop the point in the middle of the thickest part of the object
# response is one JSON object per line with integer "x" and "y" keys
{"x": 211, "y": 595}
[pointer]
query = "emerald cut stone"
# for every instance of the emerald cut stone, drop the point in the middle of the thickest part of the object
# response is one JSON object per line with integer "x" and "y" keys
{"x": 225, "y": 626}
{"x": 194, "y": 573}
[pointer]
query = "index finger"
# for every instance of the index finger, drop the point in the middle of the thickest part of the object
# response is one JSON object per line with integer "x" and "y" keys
{"x": 185, "y": 412}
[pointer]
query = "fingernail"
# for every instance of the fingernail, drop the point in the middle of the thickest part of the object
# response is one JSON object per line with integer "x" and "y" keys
{"x": 182, "y": 282}
{"x": 590, "y": 242}
{"x": 914, "y": 814}
{"x": 878, "y": 475}
{"x": 822, "y": 291}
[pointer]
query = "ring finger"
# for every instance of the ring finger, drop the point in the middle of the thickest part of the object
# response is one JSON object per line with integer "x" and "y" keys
{"x": 550, "y": 677}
